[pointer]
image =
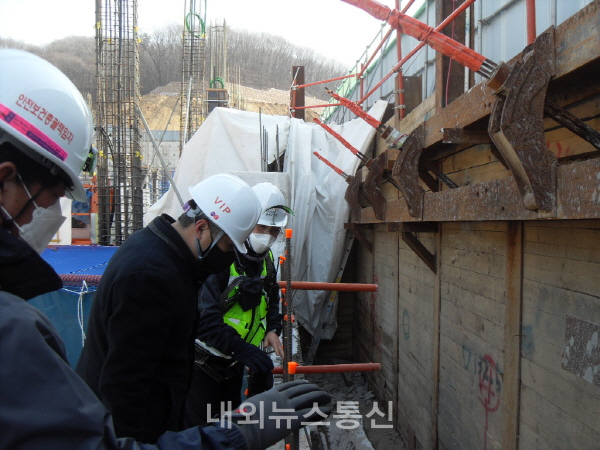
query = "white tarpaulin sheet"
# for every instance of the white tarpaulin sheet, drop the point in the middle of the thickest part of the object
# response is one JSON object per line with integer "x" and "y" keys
{"x": 229, "y": 141}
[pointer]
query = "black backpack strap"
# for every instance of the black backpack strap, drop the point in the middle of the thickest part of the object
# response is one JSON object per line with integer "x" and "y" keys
{"x": 226, "y": 301}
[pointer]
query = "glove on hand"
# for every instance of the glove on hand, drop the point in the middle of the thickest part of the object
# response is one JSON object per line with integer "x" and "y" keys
{"x": 253, "y": 357}
{"x": 270, "y": 416}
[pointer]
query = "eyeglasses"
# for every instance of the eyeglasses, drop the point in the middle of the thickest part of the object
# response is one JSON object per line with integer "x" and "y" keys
{"x": 265, "y": 229}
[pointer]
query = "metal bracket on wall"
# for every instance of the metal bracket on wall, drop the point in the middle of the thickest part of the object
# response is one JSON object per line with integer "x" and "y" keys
{"x": 373, "y": 180}
{"x": 516, "y": 124}
{"x": 355, "y": 196}
{"x": 357, "y": 232}
{"x": 405, "y": 172}
{"x": 408, "y": 231}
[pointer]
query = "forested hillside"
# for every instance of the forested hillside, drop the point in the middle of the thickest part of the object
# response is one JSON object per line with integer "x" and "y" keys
{"x": 264, "y": 61}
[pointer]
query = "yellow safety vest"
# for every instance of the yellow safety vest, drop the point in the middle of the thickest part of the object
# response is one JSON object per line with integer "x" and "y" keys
{"x": 251, "y": 325}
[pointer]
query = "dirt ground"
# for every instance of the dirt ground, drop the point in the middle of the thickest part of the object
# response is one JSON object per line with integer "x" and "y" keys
{"x": 352, "y": 389}
{"x": 162, "y": 110}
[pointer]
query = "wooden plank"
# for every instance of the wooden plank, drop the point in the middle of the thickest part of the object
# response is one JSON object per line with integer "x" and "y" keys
{"x": 512, "y": 337}
{"x": 480, "y": 174}
{"x": 477, "y": 155}
{"x": 487, "y": 237}
{"x": 546, "y": 416}
{"x": 480, "y": 262}
{"x": 577, "y": 39}
{"x": 485, "y": 330}
{"x": 578, "y": 276}
{"x": 416, "y": 116}
{"x": 536, "y": 438}
{"x": 436, "y": 327}
{"x": 560, "y": 242}
{"x": 489, "y": 287}
{"x": 492, "y": 309}
{"x": 580, "y": 404}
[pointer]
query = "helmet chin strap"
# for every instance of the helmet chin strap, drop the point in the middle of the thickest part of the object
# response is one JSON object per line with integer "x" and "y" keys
{"x": 202, "y": 254}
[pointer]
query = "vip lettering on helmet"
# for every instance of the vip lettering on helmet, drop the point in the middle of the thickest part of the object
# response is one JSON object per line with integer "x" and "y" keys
{"x": 224, "y": 208}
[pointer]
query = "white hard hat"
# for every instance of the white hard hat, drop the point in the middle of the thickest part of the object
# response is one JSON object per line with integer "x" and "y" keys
{"x": 44, "y": 115}
{"x": 230, "y": 203}
{"x": 274, "y": 212}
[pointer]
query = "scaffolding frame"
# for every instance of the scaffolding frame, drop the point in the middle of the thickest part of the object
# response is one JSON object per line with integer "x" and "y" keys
{"x": 192, "y": 85}
{"x": 118, "y": 134}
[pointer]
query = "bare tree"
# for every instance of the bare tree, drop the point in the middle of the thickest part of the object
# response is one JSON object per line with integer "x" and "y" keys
{"x": 76, "y": 57}
{"x": 265, "y": 60}
{"x": 160, "y": 57}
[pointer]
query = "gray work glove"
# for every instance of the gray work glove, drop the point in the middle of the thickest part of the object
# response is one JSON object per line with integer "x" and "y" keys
{"x": 270, "y": 416}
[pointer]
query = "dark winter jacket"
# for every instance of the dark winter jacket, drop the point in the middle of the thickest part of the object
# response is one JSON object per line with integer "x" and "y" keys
{"x": 211, "y": 329}
{"x": 44, "y": 404}
{"x": 138, "y": 353}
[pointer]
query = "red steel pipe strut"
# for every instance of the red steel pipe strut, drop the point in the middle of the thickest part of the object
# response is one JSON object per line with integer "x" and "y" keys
{"x": 332, "y": 368}
{"x": 294, "y": 86}
{"x": 355, "y": 195}
{"x": 322, "y": 286}
{"x": 436, "y": 40}
{"x": 343, "y": 141}
{"x": 390, "y": 135}
{"x": 410, "y": 54}
{"x": 335, "y": 168}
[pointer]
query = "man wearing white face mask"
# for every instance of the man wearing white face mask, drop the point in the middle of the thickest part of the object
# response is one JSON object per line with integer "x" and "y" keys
{"x": 239, "y": 312}
{"x": 46, "y": 132}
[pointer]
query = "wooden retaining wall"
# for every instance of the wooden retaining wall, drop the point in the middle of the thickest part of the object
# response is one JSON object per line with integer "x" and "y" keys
{"x": 495, "y": 344}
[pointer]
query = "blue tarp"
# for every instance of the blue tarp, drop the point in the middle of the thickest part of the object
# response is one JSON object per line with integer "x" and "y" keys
{"x": 78, "y": 259}
{"x": 68, "y": 309}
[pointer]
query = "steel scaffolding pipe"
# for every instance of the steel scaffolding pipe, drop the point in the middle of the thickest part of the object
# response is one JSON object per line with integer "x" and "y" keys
{"x": 332, "y": 368}
{"x": 321, "y": 286}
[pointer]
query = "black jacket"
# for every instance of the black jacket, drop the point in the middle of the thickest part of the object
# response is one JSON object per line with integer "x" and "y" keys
{"x": 45, "y": 405}
{"x": 138, "y": 354}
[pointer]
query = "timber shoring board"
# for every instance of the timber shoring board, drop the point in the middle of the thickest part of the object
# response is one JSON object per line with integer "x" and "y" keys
{"x": 561, "y": 266}
{"x": 415, "y": 346}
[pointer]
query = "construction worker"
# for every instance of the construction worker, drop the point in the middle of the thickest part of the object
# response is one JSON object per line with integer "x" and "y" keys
{"x": 45, "y": 140}
{"x": 239, "y": 312}
{"x": 138, "y": 352}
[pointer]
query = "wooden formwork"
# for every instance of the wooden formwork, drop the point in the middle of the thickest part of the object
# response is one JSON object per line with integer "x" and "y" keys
{"x": 488, "y": 336}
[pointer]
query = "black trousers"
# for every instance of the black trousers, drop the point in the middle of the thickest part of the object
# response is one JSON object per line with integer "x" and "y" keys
{"x": 206, "y": 392}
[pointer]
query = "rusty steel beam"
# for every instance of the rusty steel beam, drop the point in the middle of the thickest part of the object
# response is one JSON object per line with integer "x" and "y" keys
{"x": 372, "y": 182}
{"x": 417, "y": 246}
{"x": 406, "y": 172}
{"x": 500, "y": 200}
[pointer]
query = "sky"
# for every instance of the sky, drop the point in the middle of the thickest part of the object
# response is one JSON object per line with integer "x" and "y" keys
{"x": 332, "y": 28}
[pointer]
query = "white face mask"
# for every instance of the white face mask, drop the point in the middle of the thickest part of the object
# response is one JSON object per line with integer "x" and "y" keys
{"x": 42, "y": 227}
{"x": 261, "y": 242}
